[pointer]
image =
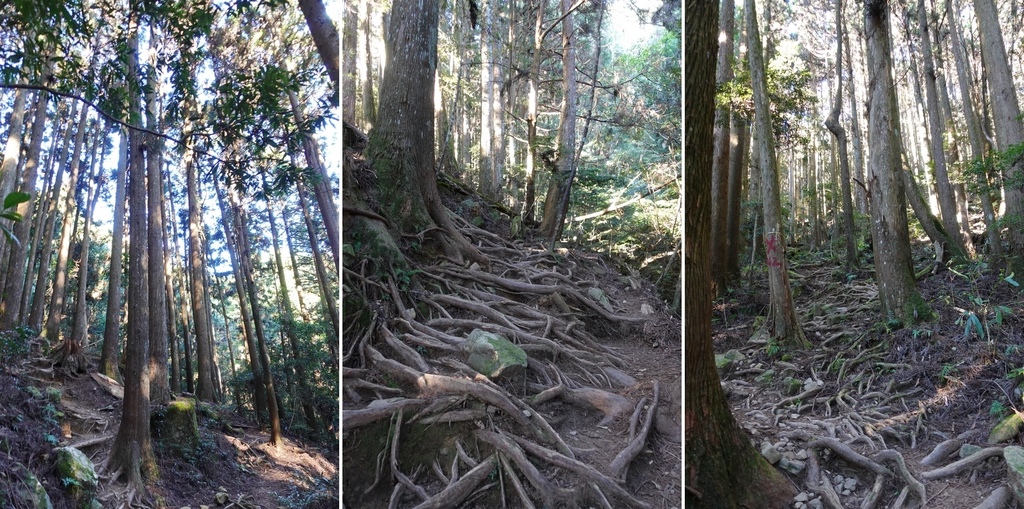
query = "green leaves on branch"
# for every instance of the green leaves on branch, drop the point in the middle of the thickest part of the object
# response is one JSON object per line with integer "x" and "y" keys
{"x": 11, "y": 201}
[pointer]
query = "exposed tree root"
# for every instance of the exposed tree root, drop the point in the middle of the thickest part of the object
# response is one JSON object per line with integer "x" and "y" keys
{"x": 410, "y": 361}
{"x": 959, "y": 466}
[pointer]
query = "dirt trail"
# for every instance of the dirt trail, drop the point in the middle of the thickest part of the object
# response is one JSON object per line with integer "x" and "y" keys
{"x": 868, "y": 386}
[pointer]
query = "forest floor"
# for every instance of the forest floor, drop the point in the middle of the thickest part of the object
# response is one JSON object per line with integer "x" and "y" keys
{"x": 593, "y": 421}
{"x": 42, "y": 408}
{"x": 867, "y": 386}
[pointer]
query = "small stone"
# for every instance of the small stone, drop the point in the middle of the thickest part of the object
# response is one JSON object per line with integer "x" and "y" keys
{"x": 794, "y": 416}
{"x": 846, "y": 493}
{"x": 770, "y": 453}
{"x": 968, "y": 449}
{"x": 794, "y": 467}
{"x": 800, "y": 505}
{"x": 850, "y": 484}
{"x": 802, "y": 497}
{"x": 221, "y": 498}
{"x": 838, "y": 479}
{"x": 801, "y": 454}
{"x": 816, "y": 504}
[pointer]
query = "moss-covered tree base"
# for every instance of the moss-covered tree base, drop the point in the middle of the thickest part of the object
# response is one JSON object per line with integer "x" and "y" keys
{"x": 175, "y": 428}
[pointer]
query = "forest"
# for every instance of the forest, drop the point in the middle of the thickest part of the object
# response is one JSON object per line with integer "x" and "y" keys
{"x": 854, "y": 240}
{"x": 170, "y": 262}
{"x": 511, "y": 254}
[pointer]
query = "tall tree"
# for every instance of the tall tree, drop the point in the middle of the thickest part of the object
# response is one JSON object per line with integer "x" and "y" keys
{"x": 890, "y": 233}
{"x": 132, "y": 452}
{"x": 402, "y": 142}
{"x": 784, "y": 327}
{"x": 720, "y": 164}
{"x": 112, "y": 327}
{"x": 833, "y": 125}
{"x": 722, "y": 468}
{"x": 947, "y": 199}
{"x": 1007, "y": 119}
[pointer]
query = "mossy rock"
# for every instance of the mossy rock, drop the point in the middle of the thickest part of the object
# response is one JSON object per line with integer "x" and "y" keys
{"x": 1006, "y": 429}
{"x": 1014, "y": 457}
{"x": 176, "y": 429}
{"x": 34, "y": 493}
{"x": 494, "y": 356}
{"x": 77, "y": 475}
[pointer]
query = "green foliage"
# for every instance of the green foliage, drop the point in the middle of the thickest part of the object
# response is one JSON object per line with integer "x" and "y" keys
{"x": 997, "y": 409}
{"x": 15, "y": 344}
{"x": 11, "y": 201}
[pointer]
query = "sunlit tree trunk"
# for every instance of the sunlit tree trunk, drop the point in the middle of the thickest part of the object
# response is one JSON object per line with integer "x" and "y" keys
{"x": 197, "y": 290}
{"x": 322, "y": 186}
{"x": 112, "y": 328}
{"x": 720, "y": 164}
{"x": 486, "y": 164}
{"x": 722, "y": 468}
{"x": 860, "y": 193}
{"x": 289, "y": 323}
{"x": 160, "y": 390}
{"x": 132, "y": 452}
{"x": 350, "y": 36}
{"x": 894, "y": 269}
{"x": 1007, "y": 119}
{"x": 531, "y": 115}
{"x": 13, "y": 287}
{"x": 256, "y": 365}
{"x": 974, "y": 136}
{"x": 739, "y": 147}
{"x": 833, "y": 125}
{"x": 784, "y": 327}
{"x": 44, "y": 237}
{"x": 560, "y": 186}
{"x": 946, "y": 195}
{"x": 325, "y": 36}
{"x": 79, "y": 333}
{"x": 324, "y": 282}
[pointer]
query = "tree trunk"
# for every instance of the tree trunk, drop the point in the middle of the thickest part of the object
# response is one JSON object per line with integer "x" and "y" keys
{"x": 1007, "y": 120}
{"x": 740, "y": 145}
{"x": 720, "y": 164}
{"x": 79, "y": 333}
{"x": 837, "y": 130}
{"x": 111, "y": 330}
{"x": 974, "y": 137}
{"x": 350, "y": 32}
{"x": 197, "y": 255}
{"x": 890, "y": 234}
{"x": 326, "y": 293}
{"x": 13, "y": 287}
{"x": 289, "y": 323}
{"x": 160, "y": 389}
{"x": 722, "y": 468}
{"x": 54, "y": 316}
{"x": 946, "y": 195}
{"x": 325, "y": 36}
{"x": 784, "y": 328}
{"x": 256, "y": 365}
{"x": 132, "y": 452}
{"x": 860, "y": 193}
{"x": 45, "y": 233}
{"x": 560, "y": 187}
{"x": 531, "y": 115}
{"x": 402, "y": 143}
{"x": 486, "y": 161}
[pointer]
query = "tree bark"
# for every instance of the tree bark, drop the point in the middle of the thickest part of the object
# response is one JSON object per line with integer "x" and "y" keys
{"x": 560, "y": 187}
{"x": 1007, "y": 119}
{"x": 197, "y": 265}
{"x": 722, "y": 468}
{"x": 55, "y": 315}
{"x": 402, "y": 143}
{"x": 132, "y": 452}
{"x": 890, "y": 234}
{"x": 325, "y": 36}
{"x": 720, "y": 173}
{"x": 946, "y": 195}
{"x": 833, "y": 125}
{"x": 531, "y": 115}
{"x": 486, "y": 161}
{"x": 112, "y": 328}
{"x": 784, "y": 328}
{"x": 13, "y": 287}
{"x": 324, "y": 283}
